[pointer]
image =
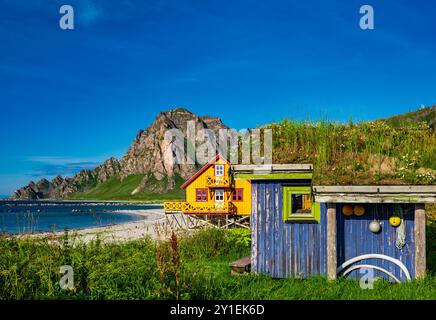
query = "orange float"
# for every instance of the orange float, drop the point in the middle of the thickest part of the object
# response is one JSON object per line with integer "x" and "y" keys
{"x": 359, "y": 210}
{"x": 347, "y": 210}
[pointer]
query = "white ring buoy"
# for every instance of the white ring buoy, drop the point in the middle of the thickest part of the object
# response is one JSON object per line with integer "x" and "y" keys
{"x": 360, "y": 266}
{"x": 375, "y": 256}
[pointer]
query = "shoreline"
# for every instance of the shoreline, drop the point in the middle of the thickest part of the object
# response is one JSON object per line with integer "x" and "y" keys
{"x": 156, "y": 229}
{"x": 150, "y": 202}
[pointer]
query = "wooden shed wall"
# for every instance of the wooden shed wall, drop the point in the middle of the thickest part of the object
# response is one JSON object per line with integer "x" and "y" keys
{"x": 284, "y": 249}
{"x": 354, "y": 238}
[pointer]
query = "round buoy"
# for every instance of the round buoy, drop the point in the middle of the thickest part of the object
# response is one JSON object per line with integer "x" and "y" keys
{"x": 347, "y": 210}
{"x": 395, "y": 221}
{"x": 375, "y": 226}
{"x": 359, "y": 210}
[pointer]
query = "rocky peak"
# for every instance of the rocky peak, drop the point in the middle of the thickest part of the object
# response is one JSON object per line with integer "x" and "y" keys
{"x": 149, "y": 154}
{"x": 108, "y": 169}
{"x": 213, "y": 123}
{"x": 57, "y": 180}
{"x": 151, "y": 144}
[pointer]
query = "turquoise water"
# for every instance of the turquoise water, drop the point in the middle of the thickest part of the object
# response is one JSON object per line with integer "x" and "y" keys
{"x": 20, "y": 217}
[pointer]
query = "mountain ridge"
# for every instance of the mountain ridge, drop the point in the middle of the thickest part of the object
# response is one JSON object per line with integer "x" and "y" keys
{"x": 145, "y": 156}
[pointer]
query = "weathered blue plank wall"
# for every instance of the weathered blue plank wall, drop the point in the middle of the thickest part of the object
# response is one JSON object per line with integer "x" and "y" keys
{"x": 354, "y": 238}
{"x": 284, "y": 249}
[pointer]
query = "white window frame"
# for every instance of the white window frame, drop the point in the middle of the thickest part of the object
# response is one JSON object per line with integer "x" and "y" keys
{"x": 219, "y": 193}
{"x": 219, "y": 170}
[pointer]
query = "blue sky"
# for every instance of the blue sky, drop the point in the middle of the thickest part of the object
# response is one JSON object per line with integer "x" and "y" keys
{"x": 70, "y": 99}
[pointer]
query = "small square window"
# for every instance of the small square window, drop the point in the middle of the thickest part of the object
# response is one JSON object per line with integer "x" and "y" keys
{"x": 237, "y": 195}
{"x": 219, "y": 170}
{"x": 298, "y": 205}
{"x": 219, "y": 195}
{"x": 301, "y": 203}
{"x": 201, "y": 195}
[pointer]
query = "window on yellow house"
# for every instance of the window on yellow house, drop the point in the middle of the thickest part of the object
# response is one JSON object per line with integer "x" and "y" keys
{"x": 201, "y": 195}
{"x": 219, "y": 170}
{"x": 219, "y": 195}
{"x": 237, "y": 195}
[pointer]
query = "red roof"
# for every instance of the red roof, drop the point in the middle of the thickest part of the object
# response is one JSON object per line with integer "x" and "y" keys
{"x": 207, "y": 165}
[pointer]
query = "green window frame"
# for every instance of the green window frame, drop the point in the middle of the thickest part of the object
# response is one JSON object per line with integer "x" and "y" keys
{"x": 289, "y": 216}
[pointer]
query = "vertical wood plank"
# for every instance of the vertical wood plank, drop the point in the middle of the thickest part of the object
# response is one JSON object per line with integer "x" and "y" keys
{"x": 278, "y": 230}
{"x": 254, "y": 228}
{"x": 331, "y": 241}
{"x": 411, "y": 244}
{"x": 268, "y": 232}
{"x": 273, "y": 221}
{"x": 261, "y": 226}
{"x": 420, "y": 259}
{"x": 323, "y": 257}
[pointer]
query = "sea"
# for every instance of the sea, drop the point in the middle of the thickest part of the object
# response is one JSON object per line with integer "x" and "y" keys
{"x": 32, "y": 217}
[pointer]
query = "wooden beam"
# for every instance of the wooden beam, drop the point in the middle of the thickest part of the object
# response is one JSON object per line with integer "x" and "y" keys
{"x": 292, "y": 167}
{"x": 331, "y": 242}
{"x": 274, "y": 176}
{"x": 420, "y": 258}
{"x": 431, "y": 189}
{"x": 374, "y": 198}
{"x": 241, "y": 266}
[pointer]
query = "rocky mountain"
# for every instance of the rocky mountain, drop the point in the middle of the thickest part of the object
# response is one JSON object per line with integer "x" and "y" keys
{"x": 59, "y": 187}
{"x": 149, "y": 155}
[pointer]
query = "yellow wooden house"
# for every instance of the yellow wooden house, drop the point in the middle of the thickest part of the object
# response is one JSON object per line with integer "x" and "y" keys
{"x": 212, "y": 190}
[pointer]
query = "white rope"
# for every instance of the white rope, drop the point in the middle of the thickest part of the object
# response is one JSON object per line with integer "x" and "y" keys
{"x": 401, "y": 230}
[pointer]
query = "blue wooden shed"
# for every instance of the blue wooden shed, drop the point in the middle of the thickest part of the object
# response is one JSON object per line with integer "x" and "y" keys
{"x": 299, "y": 229}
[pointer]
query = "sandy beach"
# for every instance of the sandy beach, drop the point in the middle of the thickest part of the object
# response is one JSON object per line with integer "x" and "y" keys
{"x": 158, "y": 227}
{"x": 127, "y": 231}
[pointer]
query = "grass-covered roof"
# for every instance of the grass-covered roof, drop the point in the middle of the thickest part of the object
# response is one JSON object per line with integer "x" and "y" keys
{"x": 380, "y": 153}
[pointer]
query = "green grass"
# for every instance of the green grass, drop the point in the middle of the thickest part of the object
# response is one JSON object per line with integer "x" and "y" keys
{"x": 194, "y": 267}
{"x": 426, "y": 115}
{"x": 358, "y": 154}
{"x": 121, "y": 189}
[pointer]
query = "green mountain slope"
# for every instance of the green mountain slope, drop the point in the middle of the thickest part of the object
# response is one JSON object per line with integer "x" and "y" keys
{"x": 121, "y": 189}
{"x": 425, "y": 115}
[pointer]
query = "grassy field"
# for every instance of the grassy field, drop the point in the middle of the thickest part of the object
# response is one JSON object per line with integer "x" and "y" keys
{"x": 195, "y": 267}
